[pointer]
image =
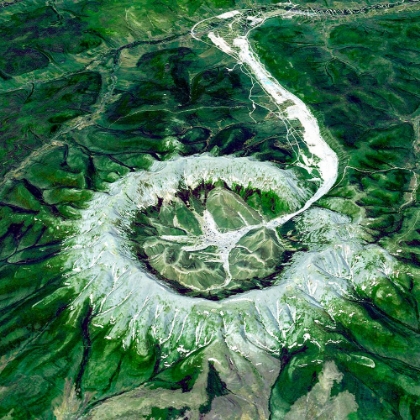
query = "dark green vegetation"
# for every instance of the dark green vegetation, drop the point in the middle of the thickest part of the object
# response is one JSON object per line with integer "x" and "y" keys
{"x": 31, "y": 41}
{"x": 44, "y": 82}
{"x": 57, "y": 62}
{"x": 46, "y": 50}
{"x": 267, "y": 203}
{"x": 91, "y": 90}
{"x": 360, "y": 77}
{"x": 78, "y": 132}
{"x": 33, "y": 115}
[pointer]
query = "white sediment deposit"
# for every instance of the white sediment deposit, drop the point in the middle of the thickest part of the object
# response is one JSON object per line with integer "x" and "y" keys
{"x": 323, "y": 157}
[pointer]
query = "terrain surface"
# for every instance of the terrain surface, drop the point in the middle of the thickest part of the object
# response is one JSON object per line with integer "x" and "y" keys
{"x": 209, "y": 210}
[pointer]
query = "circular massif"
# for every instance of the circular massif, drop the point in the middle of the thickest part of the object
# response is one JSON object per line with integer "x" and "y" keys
{"x": 204, "y": 226}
